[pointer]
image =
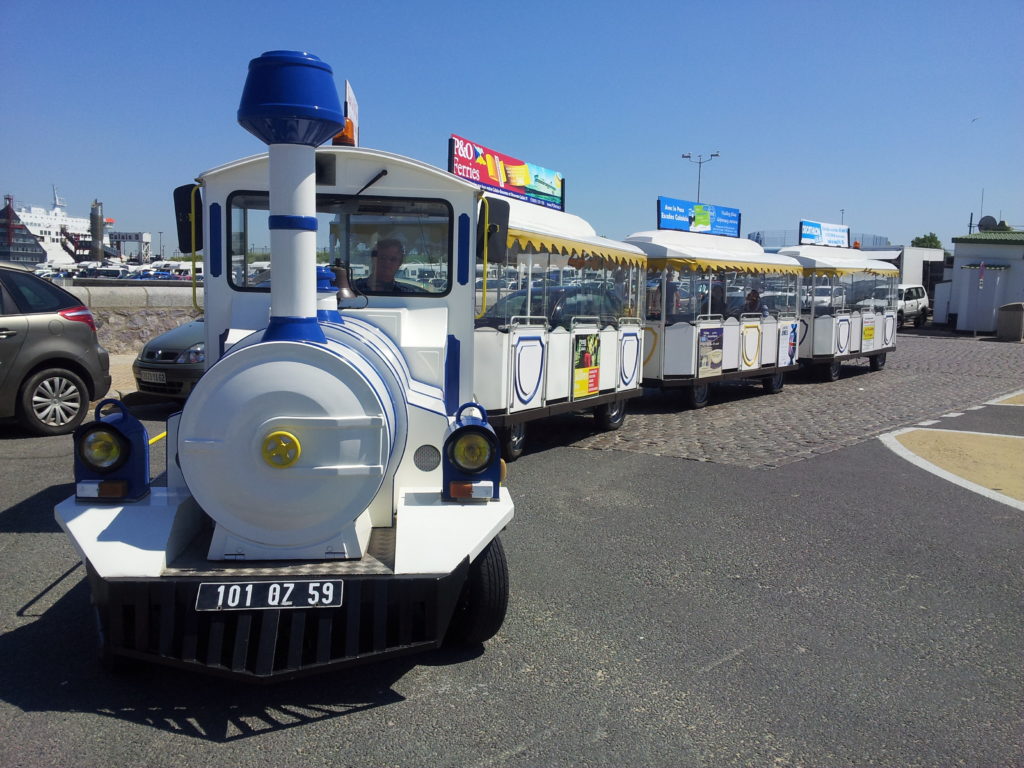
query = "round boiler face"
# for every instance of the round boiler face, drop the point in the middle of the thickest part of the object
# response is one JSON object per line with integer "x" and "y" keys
{"x": 283, "y": 443}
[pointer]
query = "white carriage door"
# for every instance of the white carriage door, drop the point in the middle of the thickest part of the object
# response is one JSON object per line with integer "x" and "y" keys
{"x": 750, "y": 345}
{"x": 843, "y": 335}
{"x": 630, "y": 352}
{"x": 529, "y": 348}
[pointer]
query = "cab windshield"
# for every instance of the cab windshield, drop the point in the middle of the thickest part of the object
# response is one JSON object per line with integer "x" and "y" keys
{"x": 390, "y": 245}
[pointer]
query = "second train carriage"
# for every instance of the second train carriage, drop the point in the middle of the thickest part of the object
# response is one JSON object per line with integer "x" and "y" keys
{"x": 718, "y": 308}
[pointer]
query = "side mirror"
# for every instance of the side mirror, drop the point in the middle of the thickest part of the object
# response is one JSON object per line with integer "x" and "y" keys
{"x": 183, "y": 216}
{"x": 497, "y": 231}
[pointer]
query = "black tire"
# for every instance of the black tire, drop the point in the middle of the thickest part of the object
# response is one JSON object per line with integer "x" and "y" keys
{"x": 484, "y": 599}
{"x": 899, "y": 319}
{"x": 830, "y": 371}
{"x": 773, "y": 384}
{"x": 921, "y": 319}
{"x": 698, "y": 396}
{"x": 610, "y": 416}
{"x": 513, "y": 440}
{"x": 877, "y": 362}
{"x": 53, "y": 402}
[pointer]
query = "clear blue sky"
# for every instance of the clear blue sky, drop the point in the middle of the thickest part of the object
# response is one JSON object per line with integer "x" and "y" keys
{"x": 901, "y": 112}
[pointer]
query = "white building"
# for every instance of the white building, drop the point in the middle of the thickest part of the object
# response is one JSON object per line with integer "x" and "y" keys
{"x": 988, "y": 272}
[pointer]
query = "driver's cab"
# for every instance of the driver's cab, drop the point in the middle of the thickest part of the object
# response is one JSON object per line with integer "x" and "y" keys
{"x": 370, "y": 205}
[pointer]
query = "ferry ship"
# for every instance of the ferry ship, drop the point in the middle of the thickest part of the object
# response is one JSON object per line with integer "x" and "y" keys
{"x": 36, "y": 235}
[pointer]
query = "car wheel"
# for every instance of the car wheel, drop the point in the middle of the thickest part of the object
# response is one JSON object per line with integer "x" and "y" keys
{"x": 920, "y": 319}
{"x": 610, "y": 416}
{"x": 484, "y": 600}
{"x": 513, "y": 440}
{"x": 830, "y": 371}
{"x": 53, "y": 402}
{"x": 877, "y": 362}
{"x": 773, "y": 384}
{"x": 698, "y": 395}
{"x": 899, "y": 319}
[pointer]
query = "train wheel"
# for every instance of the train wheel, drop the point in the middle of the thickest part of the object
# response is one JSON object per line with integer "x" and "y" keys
{"x": 513, "y": 439}
{"x": 484, "y": 600}
{"x": 698, "y": 395}
{"x": 773, "y": 384}
{"x": 830, "y": 371}
{"x": 877, "y": 362}
{"x": 610, "y": 416}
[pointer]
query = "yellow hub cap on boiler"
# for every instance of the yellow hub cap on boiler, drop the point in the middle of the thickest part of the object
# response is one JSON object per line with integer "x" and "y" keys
{"x": 281, "y": 449}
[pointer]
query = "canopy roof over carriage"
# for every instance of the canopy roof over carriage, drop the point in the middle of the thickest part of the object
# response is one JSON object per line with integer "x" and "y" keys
{"x": 823, "y": 260}
{"x": 533, "y": 227}
{"x": 697, "y": 251}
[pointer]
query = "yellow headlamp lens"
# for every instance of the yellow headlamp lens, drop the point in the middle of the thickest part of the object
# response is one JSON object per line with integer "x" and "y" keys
{"x": 471, "y": 452}
{"x": 101, "y": 449}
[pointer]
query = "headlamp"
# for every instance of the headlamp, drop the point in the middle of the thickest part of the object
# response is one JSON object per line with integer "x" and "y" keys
{"x": 102, "y": 449}
{"x": 471, "y": 467}
{"x": 471, "y": 450}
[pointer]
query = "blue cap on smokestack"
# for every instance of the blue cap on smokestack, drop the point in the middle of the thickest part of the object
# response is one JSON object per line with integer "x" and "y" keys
{"x": 290, "y": 98}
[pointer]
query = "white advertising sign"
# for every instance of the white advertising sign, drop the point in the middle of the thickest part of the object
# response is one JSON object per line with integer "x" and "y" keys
{"x": 820, "y": 233}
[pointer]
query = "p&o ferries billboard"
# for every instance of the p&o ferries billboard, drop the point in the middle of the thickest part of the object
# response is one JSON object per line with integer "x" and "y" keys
{"x": 504, "y": 174}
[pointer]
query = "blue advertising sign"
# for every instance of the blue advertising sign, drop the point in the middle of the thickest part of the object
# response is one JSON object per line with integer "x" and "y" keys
{"x": 819, "y": 233}
{"x": 688, "y": 216}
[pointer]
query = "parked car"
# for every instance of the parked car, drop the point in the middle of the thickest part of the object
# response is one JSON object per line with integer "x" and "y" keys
{"x": 912, "y": 305}
{"x": 170, "y": 364}
{"x": 562, "y": 304}
{"x": 51, "y": 362}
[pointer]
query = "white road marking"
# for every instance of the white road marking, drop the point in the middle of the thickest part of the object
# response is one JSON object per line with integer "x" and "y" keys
{"x": 927, "y": 423}
{"x": 999, "y": 401}
{"x": 898, "y": 448}
{"x": 952, "y": 415}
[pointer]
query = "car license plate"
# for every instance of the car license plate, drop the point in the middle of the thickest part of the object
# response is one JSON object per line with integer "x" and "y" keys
{"x": 247, "y": 595}
{"x": 153, "y": 377}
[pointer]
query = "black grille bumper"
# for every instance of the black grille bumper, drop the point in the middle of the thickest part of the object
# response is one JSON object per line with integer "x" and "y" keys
{"x": 155, "y": 620}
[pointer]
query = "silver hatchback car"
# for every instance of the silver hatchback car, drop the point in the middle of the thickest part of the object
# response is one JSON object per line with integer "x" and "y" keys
{"x": 51, "y": 363}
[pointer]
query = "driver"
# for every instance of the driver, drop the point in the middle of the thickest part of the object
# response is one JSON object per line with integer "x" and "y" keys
{"x": 387, "y": 258}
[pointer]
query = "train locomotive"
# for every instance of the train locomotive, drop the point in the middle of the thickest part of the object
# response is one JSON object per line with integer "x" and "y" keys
{"x": 333, "y": 493}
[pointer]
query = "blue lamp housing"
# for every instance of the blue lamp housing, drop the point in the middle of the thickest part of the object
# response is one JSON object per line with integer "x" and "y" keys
{"x": 470, "y": 458}
{"x": 326, "y": 282}
{"x": 290, "y": 98}
{"x": 112, "y": 456}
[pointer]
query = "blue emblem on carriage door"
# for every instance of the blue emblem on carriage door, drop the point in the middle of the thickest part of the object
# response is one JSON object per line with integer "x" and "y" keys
{"x": 629, "y": 358}
{"x": 527, "y": 368}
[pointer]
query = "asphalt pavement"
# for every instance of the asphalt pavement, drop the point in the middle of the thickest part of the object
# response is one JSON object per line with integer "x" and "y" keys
{"x": 803, "y": 597}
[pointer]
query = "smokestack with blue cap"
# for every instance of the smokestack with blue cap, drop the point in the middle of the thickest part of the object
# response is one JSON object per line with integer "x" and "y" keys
{"x": 290, "y": 103}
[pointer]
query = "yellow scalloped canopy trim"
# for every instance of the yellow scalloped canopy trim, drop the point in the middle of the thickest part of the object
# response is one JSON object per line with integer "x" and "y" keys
{"x": 583, "y": 253}
{"x": 838, "y": 271}
{"x": 726, "y": 265}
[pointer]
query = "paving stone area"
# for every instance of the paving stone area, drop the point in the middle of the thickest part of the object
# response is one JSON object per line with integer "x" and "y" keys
{"x": 928, "y": 375}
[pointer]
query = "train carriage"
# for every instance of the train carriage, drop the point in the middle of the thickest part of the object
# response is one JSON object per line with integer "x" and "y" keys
{"x": 558, "y": 324}
{"x": 847, "y": 307}
{"x": 700, "y": 328}
{"x": 334, "y": 493}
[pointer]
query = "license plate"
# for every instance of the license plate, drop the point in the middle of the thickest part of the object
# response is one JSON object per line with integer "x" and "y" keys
{"x": 153, "y": 377}
{"x": 249, "y": 595}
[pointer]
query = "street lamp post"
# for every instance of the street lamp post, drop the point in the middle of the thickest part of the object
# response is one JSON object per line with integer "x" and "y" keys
{"x": 700, "y": 164}
{"x": 161, "y": 245}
